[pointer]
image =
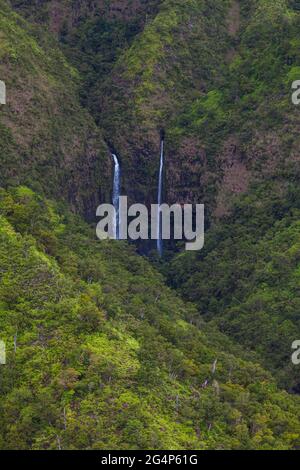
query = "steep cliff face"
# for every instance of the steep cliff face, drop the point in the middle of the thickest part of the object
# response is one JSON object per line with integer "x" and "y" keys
{"x": 143, "y": 64}
{"x": 211, "y": 77}
{"x": 47, "y": 139}
{"x": 168, "y": 67}
{"x": 245, "y": 278}
{"x": 205, "y": 71}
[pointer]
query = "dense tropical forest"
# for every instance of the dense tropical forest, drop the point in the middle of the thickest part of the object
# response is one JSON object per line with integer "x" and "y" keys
{"x": 109, "y": 345}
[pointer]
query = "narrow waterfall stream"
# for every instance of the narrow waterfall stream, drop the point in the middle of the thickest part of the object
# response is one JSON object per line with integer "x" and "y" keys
{"x": 159, "y": 199}
{"x": 116, "y": 195}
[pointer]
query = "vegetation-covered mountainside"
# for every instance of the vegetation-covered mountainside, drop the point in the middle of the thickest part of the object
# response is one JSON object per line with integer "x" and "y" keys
{"x": 101, "y": 353}
{"x": 102, "y": 356}
{"x": 210, "y": 74}
{"x": 47, "y": 139}
{"x": 213, "y": 73}
{"x": 246, "y": 279}
{"x": 138, "y": 81}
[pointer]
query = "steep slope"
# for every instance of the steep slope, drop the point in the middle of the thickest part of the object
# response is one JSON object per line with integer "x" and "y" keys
{"x": 246, "y": 280}
{"x": 205, "y": 71}
{"x": 248, "y": 127}
{"x": 102, "y": 347}
{"x": 47, "y": 140}
{"x": 100, "y": 355}
{"x": 139, "y": 76}
{"x": 208, "y": 73}
{"x": 93, "y": 34}
{"x": 169, "y": 65}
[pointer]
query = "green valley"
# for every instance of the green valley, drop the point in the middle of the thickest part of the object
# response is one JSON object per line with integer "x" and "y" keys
{"x": 115, "y": 345}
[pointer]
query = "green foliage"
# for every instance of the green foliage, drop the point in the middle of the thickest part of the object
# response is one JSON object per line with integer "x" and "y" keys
{"x": 46, "y": 138}
{"x": 247, "y": 277}
{"x": 100, "y": 355}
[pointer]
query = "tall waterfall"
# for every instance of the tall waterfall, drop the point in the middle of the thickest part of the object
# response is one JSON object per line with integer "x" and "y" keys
{"x": 116, "y": 195}
{"x": 159, "y": 199}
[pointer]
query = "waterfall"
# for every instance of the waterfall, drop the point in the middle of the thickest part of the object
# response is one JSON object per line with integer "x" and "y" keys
{"x": 159, "y": 199}
{"x": 116, "y": 195}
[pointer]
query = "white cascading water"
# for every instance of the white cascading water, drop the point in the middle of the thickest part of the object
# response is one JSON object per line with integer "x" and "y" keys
{"x": 116, "y": 195}
{"x": 159, "y": 199}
